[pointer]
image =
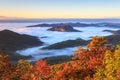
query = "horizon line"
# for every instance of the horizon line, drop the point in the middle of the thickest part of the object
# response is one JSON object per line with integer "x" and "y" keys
{"x": 17, "y": 18}
{"x": 6, "y": 17}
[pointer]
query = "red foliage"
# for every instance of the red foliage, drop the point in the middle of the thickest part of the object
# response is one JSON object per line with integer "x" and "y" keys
{"x": 85, "y": 61}
{"x": 41, "y": 70}
{"x": 83, "y": 66}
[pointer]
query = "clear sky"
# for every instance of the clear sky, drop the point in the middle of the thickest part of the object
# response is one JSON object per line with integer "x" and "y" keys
{"x": 60, "y": 8}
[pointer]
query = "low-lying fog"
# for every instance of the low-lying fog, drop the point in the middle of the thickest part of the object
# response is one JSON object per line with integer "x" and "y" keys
{"x": 51, "y": 37}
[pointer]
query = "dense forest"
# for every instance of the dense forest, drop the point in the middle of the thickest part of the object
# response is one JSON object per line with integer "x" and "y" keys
{"x": 98, "y": 61}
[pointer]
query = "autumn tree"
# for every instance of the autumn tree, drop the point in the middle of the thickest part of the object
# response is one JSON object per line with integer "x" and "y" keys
{"x": 6, "y": 67}
{"x": 41, "y": 70}
{"x": 23, "y": 70}
{"x": 93, "y": 55}
{"x": 85, "y": 61}
{"x": 111, "y": 70}
{"x": 98, "y": 61}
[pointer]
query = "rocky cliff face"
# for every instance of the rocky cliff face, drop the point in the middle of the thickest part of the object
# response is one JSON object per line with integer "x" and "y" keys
{"x": 65, "y": 28}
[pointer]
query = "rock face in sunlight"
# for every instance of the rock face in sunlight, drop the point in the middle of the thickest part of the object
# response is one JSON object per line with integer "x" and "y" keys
{"x": 65, "y": 28}
{"x": 11, "y": 41}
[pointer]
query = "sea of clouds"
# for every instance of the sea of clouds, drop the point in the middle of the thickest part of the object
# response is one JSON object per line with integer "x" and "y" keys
{"x": 51, "y": 37}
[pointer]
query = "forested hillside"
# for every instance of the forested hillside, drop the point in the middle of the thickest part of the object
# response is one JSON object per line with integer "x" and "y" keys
{"x": 98, "y": 61}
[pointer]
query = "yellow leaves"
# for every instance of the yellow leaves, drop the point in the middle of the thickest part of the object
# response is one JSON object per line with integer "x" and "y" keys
{"x": 23, "y": 66}
{"x": 97, "y": 42}
{"x": 112, "y": 66}
{"x": 23, "y": 70}
{"x": 96, "y": 62}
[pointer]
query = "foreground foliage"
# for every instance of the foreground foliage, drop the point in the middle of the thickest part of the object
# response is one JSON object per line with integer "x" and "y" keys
{"x": 98, "y": 61}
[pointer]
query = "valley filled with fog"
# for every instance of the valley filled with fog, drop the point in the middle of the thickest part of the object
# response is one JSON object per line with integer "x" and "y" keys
{"x": 51, "y": 37}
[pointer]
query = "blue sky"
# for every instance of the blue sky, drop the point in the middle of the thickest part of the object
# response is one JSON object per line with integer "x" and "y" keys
{"x": 60, "y": 8}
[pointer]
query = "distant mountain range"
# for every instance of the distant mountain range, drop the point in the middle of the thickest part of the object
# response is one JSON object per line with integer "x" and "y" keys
{"x": 23, "y": 20}
{"x": 113, "y": 25}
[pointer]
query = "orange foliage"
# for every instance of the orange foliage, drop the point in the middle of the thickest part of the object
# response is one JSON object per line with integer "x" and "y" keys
{"x": 90, "y": 63}
{"x": 85, "y": 61}
{"x": 6, "y": 68}
{"x": 41, "y": 70}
